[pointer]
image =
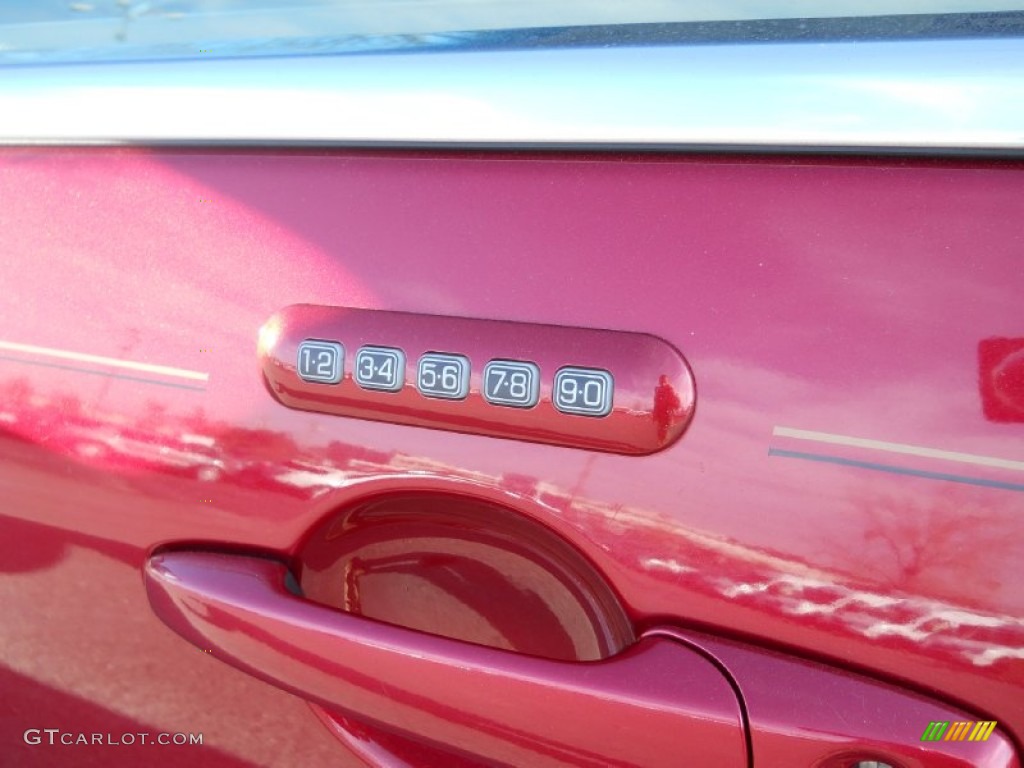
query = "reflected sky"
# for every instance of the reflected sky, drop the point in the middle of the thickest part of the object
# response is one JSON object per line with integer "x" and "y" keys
{"x": 81, "y": 30}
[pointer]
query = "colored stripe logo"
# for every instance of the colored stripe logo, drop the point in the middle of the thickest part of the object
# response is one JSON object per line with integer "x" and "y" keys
{"x": 965, "y": 731}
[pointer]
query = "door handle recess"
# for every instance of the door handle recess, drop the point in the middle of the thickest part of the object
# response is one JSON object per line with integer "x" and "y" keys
{"x": 659, "y": 703}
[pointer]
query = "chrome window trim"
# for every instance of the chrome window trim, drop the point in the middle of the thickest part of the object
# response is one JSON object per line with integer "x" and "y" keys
{"x": 933, "y": 95}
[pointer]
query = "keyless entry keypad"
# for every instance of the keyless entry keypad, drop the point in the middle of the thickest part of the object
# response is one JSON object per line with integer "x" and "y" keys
{"x": 612, "y": 391}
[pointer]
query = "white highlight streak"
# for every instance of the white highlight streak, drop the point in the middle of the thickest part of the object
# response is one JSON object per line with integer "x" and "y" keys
{"x": 111, "y": 361}
{"x": 911, "y": 450}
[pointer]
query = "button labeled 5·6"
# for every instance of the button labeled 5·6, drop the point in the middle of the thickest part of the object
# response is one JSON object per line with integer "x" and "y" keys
{"x": 443, "y": 376}
{"x": 320, "y": 361}
{"x": 583, "y": 391}
{"x": 511, "y": 382}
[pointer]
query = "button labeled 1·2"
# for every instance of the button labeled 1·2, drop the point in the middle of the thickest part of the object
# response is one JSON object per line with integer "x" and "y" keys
{"x": 583, "y": 391}
{"x": 510, "y": 382}
{"x": 321, "y": 361}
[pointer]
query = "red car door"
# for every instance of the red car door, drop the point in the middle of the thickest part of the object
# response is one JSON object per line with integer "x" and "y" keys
{"x": 473, "y": 454}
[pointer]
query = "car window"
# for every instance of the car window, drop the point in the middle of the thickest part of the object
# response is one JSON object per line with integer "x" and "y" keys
{"x": 59, "y": 31}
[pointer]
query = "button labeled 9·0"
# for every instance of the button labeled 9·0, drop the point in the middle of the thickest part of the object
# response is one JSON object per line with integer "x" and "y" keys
{"x": 380, "y": 368}
{"x": 320, "y": 361}
{"x": 443, "y": 376}
{"x": 583, "y": 391}
{"x": 512, "y": 383}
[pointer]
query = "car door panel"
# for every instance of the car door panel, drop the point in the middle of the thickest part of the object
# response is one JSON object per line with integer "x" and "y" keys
{"x": 843, "y": 493}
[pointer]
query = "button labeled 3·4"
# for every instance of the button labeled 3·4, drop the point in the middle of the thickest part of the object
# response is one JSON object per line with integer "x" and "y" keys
{"x": 380, "y": 368}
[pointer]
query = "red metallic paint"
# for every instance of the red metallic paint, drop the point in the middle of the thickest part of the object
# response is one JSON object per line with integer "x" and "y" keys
{"x": 846, "y": 296}
{"x": 377, "y": 746}
{"x": 654, "y": 394}
{"x": 803, "y": 713}
{"x": 658, "y": 703}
